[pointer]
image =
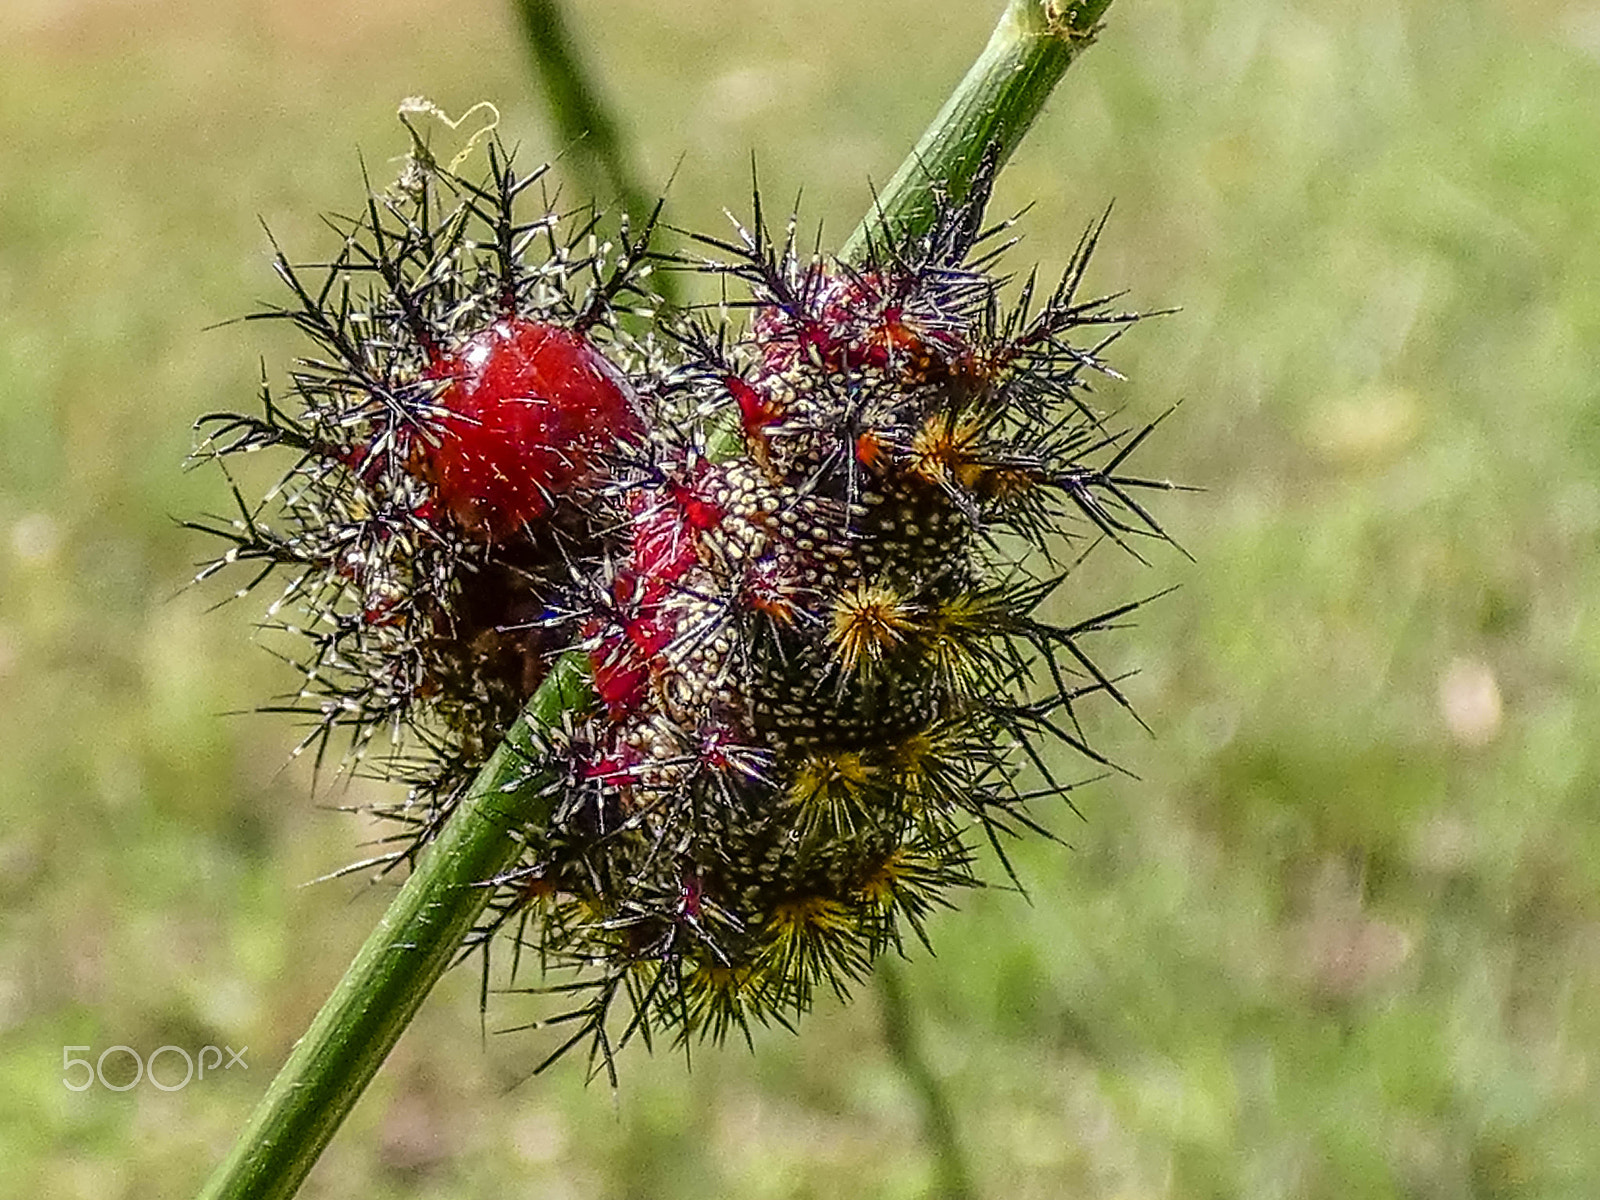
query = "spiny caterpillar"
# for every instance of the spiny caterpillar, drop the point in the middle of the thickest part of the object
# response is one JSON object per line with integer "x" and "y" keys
{"x": 799, "y": 557}
{"x": 452, "y": 435}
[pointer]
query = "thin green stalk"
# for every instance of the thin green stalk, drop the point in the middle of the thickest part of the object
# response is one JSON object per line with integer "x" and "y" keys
{"x": 954, "y": 1181}
{"x": 416, "y": 940}
{"x": 583, "y": 118}
{"x": 423, "y": 930}
{"x": 1032, "y": 46}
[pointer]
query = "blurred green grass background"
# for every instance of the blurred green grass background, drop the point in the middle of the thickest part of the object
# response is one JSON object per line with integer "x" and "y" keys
{"x": 1342, "y": 937}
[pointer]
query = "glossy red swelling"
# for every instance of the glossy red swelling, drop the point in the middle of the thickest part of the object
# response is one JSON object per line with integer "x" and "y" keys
{"x": 530, "y": 416}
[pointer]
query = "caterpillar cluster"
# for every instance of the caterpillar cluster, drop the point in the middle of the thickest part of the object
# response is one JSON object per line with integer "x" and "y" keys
{"x": 805, "y": 554}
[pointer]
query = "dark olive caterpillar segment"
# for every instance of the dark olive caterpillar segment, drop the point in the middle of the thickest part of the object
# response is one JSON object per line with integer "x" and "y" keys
{"x": 821, "y": 658}
{"x": 807, "y": 560}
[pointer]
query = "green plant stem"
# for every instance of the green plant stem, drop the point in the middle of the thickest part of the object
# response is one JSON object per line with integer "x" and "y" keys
{"x": 1032, "y": 46}
{"x": 418, "y": 937}
{"x": 954, "y": 1181}
{"x": 573, "y": 97}
{"x": 583, "y": 118}
{"x": 422, "y": 932}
